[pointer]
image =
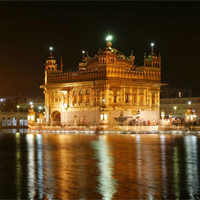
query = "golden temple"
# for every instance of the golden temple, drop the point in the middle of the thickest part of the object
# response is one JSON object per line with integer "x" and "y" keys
{"x": 103, "y": 88}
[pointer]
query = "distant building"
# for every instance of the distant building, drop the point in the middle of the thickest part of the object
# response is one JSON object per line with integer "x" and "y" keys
{"x": 103, "y": 88}
{"x": 178, "y": 106}
{"x": 175, "y": 92}
{"x": 20, "y": 103}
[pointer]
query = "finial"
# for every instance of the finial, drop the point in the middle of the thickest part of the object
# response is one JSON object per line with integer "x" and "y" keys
{"x": 83, "y": 52}
{"x": 108, "y": 39}
{"x": 131, "y": 52}
{"x": 87, "y": 54}
{"x": 152, "y": 45}
{"x": 51, "y": 49}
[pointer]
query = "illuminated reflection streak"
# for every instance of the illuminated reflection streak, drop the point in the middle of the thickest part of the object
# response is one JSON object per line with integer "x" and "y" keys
{"x": 146, "y": 167}
{"x": 18, "y": 166}
{"x": 176, "y": 172}
{"x": 164, "y": 169}
{"x": 192, "y": 165}
{"x": 139, "y": 163}
{"x": 31, "y": 166}
{"x": 107, "y": 184}
{"x": 48, "y": 176}
{"x": 40, "y": 165}
{"x": 64, "y": 167}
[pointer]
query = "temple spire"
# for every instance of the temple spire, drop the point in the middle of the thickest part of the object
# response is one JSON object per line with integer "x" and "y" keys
{"x": 108, "y": 39}
{"x": 51, "y": 49}
{"x": 83, "y": 52}
{"x": 152, "y": 45}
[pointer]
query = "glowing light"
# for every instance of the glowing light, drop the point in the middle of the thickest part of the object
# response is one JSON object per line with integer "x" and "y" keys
{"x": 31, "y": 103}
{"x": 40, "y": 107}
{"x": 109, "y": 38}
{"x": 175, "y": 107}
{"x": 105, "y": 116}
{"x": 152, "y": 44}
{"x": 104, "y": 100}
{"x": 51, "y": 48}
{"x": 101, "y": 116}
{"x": 189, "y": 102}
{"x": 29, "y": 117}
{"x": 32, "y": 117}
{"x": 18, "y": 106}
{"x": 83, "y": 52}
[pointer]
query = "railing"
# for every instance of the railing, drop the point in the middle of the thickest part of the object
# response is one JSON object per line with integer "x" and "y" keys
{"x": 98, "y": 74}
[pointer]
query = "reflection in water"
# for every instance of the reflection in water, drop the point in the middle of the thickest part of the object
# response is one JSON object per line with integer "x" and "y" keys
{"x": 40, "y": 165}
{"x": 163, "y": 164}
{"x": 147, "y": 170}
{"x": 176, "y": 172}
{"x": 107, "y": 184}
{"x": 139, "y": 163}
{"x": 49, "y": 182}
{"x": 65, "y": 167}
{"x": 64, "y": 177}
{"x": 18, "y": 166}
{"x": 192, "y": 165}
{"x": 31, "y": 166}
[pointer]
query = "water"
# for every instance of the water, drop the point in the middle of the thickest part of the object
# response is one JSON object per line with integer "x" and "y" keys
{"x": 52, "y": 166}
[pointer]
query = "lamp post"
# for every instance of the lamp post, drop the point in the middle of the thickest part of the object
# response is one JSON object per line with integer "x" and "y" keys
{"x": 170, "y": 118}
{"x": 40, "y": 108}
{"x": 31, "y": 116}
{"x": 175, "y": 108}
{"x": 18, "y": 106}
{"x": 163, "y": 116}
{"x": 138, "y": 116}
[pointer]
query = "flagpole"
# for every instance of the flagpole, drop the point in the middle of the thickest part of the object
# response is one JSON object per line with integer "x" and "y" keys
{"x": 61, "y": 64}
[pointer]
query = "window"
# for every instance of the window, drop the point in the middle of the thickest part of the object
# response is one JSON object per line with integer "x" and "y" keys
{"x": 173, "y": 94}
{"x": 115, "y": 99}
{"x": 187, "y": 94}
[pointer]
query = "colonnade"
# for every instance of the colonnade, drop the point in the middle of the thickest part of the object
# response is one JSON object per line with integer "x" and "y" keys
{"x": 107, "y": 95}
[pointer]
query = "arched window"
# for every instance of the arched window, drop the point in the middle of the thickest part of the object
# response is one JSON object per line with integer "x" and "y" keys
{"x": 126, "y": 98}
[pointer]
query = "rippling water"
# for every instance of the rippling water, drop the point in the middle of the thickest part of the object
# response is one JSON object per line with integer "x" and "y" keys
{"x": 51, "y": 166}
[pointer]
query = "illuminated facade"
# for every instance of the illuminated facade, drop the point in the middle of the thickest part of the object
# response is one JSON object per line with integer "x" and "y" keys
{"x": 104, "y": 87}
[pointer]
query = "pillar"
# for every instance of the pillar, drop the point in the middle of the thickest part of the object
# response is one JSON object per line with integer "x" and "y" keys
{"x": 47, "y": 106}
{"x": 137, "y": 96}
{"x": 144, "y": 97}
{"x": 150, "y": 99}
{"x": 130, "y": 96}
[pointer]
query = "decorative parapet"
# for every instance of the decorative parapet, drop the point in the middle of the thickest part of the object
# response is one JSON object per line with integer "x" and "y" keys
{"x": 90, "y": 74}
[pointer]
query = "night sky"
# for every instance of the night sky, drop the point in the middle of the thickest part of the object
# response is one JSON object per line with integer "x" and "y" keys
{"x": 28, "y": 29}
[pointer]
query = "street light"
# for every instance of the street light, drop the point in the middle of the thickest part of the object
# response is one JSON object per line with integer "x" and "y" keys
{"x": 40, "y": 107}
{"x": 175, "y": 108}
{"x": 18, "y": 106}
{"x": 163, "y": 114}
{"x": 170, "y": 118}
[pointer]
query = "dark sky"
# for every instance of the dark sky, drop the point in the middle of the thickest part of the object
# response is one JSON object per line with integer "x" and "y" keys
{"x": 27, "y": 29}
